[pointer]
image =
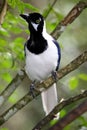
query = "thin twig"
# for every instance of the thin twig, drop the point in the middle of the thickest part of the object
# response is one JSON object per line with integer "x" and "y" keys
{"x": 72, "y": 15}
{"x": 51, "y": 6}
{"x": 27, "y": 98}
{"x": 74, "y": 114}
{"x": 3, "y": 10}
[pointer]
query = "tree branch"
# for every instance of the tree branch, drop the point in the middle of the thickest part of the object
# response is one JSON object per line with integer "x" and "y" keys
{"x": 11, "y": 87}
{"x": 59, "y": 107}
{"x": 72, "y": 15}
{"x": 47, "y": 83}
{"x": 3, "y": 10}
{"x": 48, "y": 11}
{"x": 74, "y": 114}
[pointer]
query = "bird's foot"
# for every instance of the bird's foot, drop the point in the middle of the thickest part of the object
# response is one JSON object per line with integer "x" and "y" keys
{"x": 32, "y": 89}
{"x": 54, "y": 75}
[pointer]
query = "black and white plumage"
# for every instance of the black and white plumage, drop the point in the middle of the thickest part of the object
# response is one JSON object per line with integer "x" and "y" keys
{"x": 42, "y": 57}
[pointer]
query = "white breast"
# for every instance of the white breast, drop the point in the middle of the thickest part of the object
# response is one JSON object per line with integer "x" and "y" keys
{"x": 39, "y": 67}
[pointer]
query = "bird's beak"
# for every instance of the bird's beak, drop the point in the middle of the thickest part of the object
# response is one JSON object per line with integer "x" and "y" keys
{"x": 25, "y": 16}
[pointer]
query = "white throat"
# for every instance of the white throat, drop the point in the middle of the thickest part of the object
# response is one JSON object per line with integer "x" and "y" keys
{"x": 35, "y": 26}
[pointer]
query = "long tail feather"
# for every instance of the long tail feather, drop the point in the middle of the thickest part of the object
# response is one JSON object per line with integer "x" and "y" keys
{"x": 49, "y": 99}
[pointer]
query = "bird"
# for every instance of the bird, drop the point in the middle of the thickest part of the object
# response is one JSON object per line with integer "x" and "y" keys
{"x": 42, "y": 57}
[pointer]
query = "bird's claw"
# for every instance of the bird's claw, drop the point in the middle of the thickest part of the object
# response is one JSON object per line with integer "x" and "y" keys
{"x": 54, "y": 75}
{"x": 32, "y": 88}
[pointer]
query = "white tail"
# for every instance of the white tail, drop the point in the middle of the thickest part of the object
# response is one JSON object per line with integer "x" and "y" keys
{"x": 49, "y": 99}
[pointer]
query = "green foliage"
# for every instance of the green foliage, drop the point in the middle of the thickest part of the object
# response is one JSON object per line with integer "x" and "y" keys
{"x": 73, "y": 83}
{"x": 83, "y": 76}
{"x": 83, "y": 120}
{"x": 12, "y": 41}
{"x": 3, "y": 32}
{"x": 21, "y": 5}
{"x": 7, "y": 77}
{"x": 4, "y": 128}
{"x": 62, "y": 113}
{"x": 5, "y": 60}
{"x": 53, "y": 122}
{"x": 68, "y": 127}
{"x": 18, "y": 47}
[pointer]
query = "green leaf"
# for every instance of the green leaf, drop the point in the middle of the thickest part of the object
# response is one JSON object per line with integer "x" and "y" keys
{"x": 73, "y": 83}
{"x": 17, "y": 30}
{"x": 50, "y": 26}
{"x": 7, "y": 77}
{"x": 3, "y": 44}
{"x": 18, "y": 41}
{"x": 13, "y": 20}
{"x": 12, "y": 3}
{"x": 6, "y": 60}
{"x": 31, "y": 7}
{"x": 83, "y": 120}
{"x": 4, "y": 32}
{"x": 21, "y": 5}
{"x": 83, "y": 76}
{"x": 18, "y": 47}
{"x": 62, "y": 113}
{"x": 53, "y": 122}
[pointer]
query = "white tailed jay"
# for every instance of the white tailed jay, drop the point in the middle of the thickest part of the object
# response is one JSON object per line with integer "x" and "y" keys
{"x": 42, "y": 57}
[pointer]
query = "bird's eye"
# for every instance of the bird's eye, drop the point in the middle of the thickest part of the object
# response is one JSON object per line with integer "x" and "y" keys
{"x": 38, "y": 21}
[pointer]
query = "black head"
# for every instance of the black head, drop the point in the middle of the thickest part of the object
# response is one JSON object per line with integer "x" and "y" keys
{"x": 35, "y": 21}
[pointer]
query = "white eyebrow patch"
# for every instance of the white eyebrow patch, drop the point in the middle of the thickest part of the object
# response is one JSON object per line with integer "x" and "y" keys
{"x": 35, "y": 25}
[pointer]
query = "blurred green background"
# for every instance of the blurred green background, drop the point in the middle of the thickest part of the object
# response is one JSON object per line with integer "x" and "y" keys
{"x": 13, "y": 35}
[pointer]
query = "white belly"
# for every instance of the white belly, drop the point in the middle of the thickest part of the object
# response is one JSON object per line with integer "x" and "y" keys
{"x": 39, "y": 67}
